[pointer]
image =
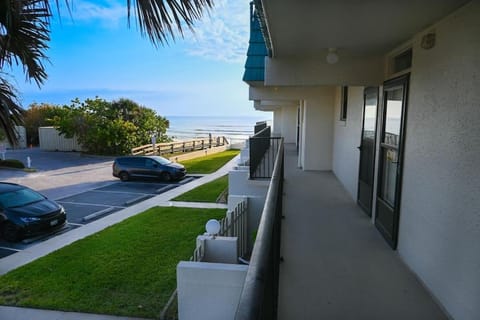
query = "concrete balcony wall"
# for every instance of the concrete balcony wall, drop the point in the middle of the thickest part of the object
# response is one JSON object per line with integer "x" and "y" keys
{"x": 241, "y": 187}
{"x": 209, "y": 291}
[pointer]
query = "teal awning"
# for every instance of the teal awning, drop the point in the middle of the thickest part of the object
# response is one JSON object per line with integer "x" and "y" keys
{"x": 257, "y": 51}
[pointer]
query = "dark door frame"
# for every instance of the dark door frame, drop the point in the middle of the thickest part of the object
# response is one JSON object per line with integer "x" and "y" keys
{"x": 402, "y": 81}
{"x": 366, "y": 91}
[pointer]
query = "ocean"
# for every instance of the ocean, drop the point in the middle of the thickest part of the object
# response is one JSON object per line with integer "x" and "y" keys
{"x": 236, "y": 129}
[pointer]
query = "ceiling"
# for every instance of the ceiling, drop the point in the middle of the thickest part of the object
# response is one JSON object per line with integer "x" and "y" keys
{"x": 355, "y": 27}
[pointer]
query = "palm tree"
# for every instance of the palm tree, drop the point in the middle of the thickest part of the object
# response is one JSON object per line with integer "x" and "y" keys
{"x": 25, "y": 34}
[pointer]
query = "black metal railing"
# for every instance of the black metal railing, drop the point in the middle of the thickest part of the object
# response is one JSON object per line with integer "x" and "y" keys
{"x": 260, "y": 292}
{"x": 263, "y": 148}
{"x": 259, "y": 126}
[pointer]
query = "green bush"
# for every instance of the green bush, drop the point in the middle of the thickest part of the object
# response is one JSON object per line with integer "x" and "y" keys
{"x": 12, "y": 163}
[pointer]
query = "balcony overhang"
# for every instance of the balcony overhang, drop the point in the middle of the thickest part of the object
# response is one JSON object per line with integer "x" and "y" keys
{"x": 357, "y": 28}
{"x": 288, "y": 94}
{"x": 272, "y": 105}
{"x": 351, "y": 71}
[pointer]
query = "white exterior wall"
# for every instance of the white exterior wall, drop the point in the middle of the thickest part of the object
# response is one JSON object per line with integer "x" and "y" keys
{"x": 317, "y": 133}
{"x": 241, "y": 187}
{"x": 277, "y": 122}
{"x": 347, "y": 136}
{"x": 289, "y": 124}
{"x": 439, "y": 236}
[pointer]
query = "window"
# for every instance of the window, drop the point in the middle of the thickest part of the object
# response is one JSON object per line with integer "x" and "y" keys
{"x": 403, "y": 61}
{"x": 344, "y": 104}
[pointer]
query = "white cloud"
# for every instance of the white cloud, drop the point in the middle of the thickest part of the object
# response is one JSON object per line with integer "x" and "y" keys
{"x": 109, "y": 12}
{"x": 222, "y": 34}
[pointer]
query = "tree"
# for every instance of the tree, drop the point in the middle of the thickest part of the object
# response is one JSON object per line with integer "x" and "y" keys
{"x": 25, "y": 34}
{"x": 38, "y": 115}
{"x": 110, "y": 128}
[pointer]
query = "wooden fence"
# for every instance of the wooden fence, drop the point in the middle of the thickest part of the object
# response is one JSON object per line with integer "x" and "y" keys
{"x": 180, "y": 146}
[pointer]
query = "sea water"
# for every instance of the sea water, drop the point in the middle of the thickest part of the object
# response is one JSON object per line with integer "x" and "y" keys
{"x": 236, "y": 129}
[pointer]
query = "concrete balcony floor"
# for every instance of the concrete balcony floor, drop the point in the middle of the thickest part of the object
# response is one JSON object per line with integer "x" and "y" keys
{"x": 336, "y": 264}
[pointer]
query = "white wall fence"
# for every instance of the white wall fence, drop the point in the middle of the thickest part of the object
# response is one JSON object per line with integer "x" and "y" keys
{"x": 210, "y": 284}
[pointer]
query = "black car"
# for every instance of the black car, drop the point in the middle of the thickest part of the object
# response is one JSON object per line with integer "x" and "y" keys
{"x": 156, "y": 167}
{"x": 25, "y": 212}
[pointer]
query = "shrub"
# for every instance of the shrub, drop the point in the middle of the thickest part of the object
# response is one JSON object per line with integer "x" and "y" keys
{"x": 12, "y": 163}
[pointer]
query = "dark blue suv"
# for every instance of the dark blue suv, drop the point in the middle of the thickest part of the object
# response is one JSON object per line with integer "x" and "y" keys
{"x": 155, "y": 167}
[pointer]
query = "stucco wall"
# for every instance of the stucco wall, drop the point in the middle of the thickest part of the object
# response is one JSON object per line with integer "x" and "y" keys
{"x": 347, "y": 139}
{"x": 439, "y": 236}
{"x": 277, "y": 122}
{"x": 289, "y": 124}
{"x": 318, "y": 132}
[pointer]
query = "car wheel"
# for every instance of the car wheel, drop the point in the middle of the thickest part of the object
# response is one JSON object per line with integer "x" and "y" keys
{"x": 124, "y": 176}
{"x": 10, "y": 232}
{"x": 166, "y": 176}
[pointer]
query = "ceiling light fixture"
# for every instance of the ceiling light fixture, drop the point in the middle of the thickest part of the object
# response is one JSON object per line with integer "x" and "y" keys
{"x": 332, "y": 56}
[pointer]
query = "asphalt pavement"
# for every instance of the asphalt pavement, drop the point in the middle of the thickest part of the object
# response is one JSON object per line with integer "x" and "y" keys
{"x": 83, "y": 185}
{"x": 59, "y": 174}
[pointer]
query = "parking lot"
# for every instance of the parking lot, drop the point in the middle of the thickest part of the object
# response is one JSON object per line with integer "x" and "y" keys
{"x": 88, "y": 206}
{"x": 83, "y": 185}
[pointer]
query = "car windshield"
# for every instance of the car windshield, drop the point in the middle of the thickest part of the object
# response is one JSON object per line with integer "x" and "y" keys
{"x": 162, "y": 160}
{"x": 19, "y": 198}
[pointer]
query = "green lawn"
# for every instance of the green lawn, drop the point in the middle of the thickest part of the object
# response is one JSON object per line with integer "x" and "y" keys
{"x": 127, "y": 269}
{"x": 210, "y": 163}
{"x": 208, "y": 192}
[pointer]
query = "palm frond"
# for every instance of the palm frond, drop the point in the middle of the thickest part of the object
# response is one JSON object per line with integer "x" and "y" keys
{"x": 25, "y": 36}
{"x": 159, "y": 18}
{"x": 11, "y": 114}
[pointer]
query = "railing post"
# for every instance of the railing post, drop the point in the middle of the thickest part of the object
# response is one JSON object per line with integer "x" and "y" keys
{"x": 230, "y": 223}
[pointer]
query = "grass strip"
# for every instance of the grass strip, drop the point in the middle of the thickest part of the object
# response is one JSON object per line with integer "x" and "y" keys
{"x": 210, "y": 163}
{"x": 208, "y": 192}
{"x": 128, "y": 269}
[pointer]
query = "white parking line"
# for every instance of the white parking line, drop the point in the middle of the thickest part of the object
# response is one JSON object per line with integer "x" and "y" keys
{"x": 103, "y": 191}
{"x": 90, "y": 204}
{"x": 76, "y": 224}
{"x": 97, "y": 214}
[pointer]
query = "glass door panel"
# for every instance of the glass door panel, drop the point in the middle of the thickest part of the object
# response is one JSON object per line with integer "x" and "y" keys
{"x": 388, "y": 187}
{"x": 390, "y": 166}
{"x": 367, "y": 150}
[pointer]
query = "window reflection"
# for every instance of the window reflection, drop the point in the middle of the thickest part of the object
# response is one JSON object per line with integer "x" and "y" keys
{"x": 393, "y": 116}
{"x": 390, "y": 160}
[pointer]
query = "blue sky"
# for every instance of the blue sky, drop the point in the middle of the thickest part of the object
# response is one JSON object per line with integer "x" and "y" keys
{"x": 96, "y": 54}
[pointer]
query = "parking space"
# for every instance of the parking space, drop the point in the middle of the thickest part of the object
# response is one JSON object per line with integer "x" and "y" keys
{"x": 91, "y": 205}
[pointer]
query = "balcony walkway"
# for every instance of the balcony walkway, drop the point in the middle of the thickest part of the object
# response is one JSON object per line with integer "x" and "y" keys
{"x": 337, "y": 266}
